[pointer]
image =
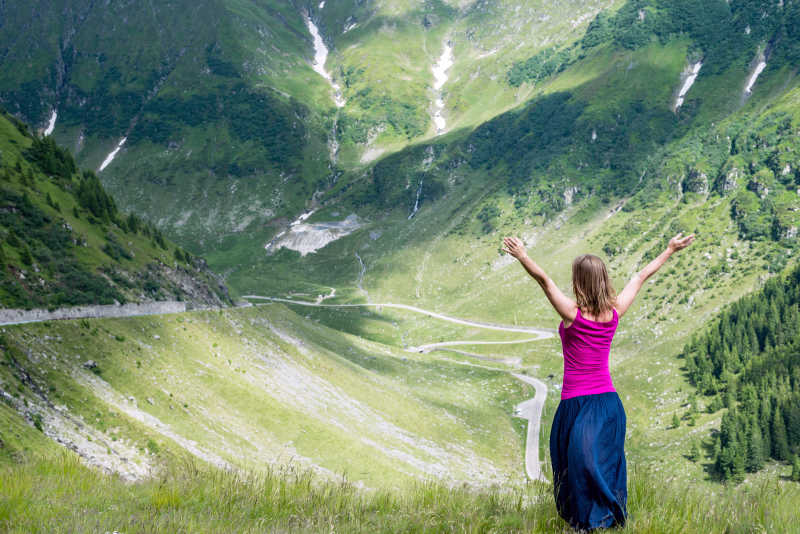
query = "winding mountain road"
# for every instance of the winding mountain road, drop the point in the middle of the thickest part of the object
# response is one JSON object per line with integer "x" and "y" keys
{"x": 530, "y": 409}
{"x": 542, "y": 332}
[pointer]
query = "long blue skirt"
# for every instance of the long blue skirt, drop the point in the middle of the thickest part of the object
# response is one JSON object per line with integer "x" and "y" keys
{"x": 587, "y": 451}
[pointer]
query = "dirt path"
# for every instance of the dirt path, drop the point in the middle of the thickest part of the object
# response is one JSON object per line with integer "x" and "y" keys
{"x": 530, "y": 409}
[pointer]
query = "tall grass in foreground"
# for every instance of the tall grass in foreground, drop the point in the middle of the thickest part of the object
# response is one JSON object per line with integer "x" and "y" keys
{"x": 59, "y": 494}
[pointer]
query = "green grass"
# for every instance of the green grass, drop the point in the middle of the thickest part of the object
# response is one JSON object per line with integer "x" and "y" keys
{"x": 56, "y": 493}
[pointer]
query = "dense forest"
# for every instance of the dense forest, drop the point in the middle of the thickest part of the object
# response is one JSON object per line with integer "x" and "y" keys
{"x": 749, "y": 363}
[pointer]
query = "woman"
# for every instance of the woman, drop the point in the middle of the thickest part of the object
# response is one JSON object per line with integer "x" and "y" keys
{"x": 588, "y": 434}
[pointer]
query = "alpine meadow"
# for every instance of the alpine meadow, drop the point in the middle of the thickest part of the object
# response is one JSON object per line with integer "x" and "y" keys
{"x": 253, "y": 275}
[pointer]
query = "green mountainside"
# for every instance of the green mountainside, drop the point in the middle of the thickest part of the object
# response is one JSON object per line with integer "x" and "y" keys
{"x": 215, "y": 102}
{"x": 65, "y": 243}
{"x": 228, "y": 130}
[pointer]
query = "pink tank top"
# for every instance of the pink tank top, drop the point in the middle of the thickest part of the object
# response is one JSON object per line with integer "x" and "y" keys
{"x": 587, "y": 345}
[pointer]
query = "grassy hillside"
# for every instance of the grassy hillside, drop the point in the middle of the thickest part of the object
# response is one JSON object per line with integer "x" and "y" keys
{"x": 218, "y": 105}
{"x": 174, "y": 401}
{"x": 259, "y": 387}
{"x": 64, "y": 242}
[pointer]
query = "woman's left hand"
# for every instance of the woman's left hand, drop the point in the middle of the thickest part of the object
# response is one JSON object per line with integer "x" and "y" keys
{"x": 514, "y": 246}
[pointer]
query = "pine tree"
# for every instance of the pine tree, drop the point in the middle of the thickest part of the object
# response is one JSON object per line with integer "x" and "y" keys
{"x": 694, "y": 451}
{"x": 755, "y": 448}
{"x": 133, "y": 223}
{"x": 793, "y": 415}
{"x": 765, "y": 420}
{"x": 13, "y": 240}
{"x": 739, "y": 450}
{"x": 675, "y": 421}
{"x": 796, "y": 468}
{"x": 724, "y": 464}
{"x": 730, "y": 391}
{"x": 25, "y": 255}
{"x": 780, "y": 443}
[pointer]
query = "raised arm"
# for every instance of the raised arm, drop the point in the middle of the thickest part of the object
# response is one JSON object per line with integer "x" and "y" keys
{"x": 564, "y": 305}
{"x": 628, "y": 295}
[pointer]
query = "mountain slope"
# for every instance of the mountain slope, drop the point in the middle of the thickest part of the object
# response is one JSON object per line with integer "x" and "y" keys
{"x": 64, "y": 242}
{"x": 223, "y": 129}
{"x": 748, "y": 360}
{"x": 203, "y": 106}
{"x": 260, "y": 388}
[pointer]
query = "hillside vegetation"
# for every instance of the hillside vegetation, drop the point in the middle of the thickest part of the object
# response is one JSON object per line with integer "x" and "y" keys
{"x": 748, "y": 363}
{"x": 228, "y": 131}
{"x": 64, "y": 241}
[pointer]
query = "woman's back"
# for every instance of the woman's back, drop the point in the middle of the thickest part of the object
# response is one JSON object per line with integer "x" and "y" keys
{"x": 587, "y": 439}
{"x": 587, "y": 345}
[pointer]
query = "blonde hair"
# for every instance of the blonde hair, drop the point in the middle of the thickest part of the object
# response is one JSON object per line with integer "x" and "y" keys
{"x": 593, "y": 290}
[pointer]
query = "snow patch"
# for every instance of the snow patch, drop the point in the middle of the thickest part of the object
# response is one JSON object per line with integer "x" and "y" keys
{"x": 184, "y": 218}
{"x": 416, "y": 201}
{"x": 754, "y": 76}
{"x": 51, "y": 124}
{"x": 306, "y": 238}
{"x": 320, "y": 57}
{"x": 112, "y": 155}
{"x": 349, "y": 25}
{"x": 439, "y": 79}
{"x": 689, "y": 75}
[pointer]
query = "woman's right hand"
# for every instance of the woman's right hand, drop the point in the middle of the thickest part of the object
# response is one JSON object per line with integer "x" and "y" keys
{"x": 514, "y": 246}
{"x": 677, "y": 243}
